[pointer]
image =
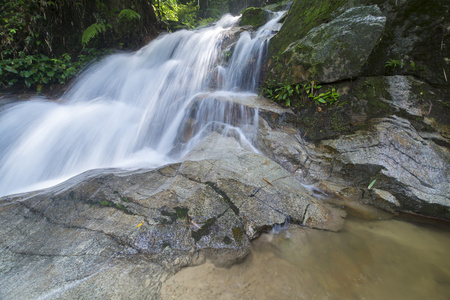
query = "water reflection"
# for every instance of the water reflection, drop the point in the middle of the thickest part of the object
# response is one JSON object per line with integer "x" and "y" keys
{"x": 389, "y": 259}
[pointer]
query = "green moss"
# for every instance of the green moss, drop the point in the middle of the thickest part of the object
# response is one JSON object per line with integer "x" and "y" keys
{"x": 238, "y": 234}
{"x": 106, "y": 203}
{"x": 204, "y": 230}
{"x": 330, "y": 122}
{"x": 280, "y": 5}
{"x": 253, "y": 16}
{"x": 303, "y": 16}
{"x": 338, "y": 124}
{"x": 227, "y": 240}
{"x": 179, "y": 213}
{"x": 372, "y": 90}
{"x": 419, "y": 23}
{"x": 102, "y": 203}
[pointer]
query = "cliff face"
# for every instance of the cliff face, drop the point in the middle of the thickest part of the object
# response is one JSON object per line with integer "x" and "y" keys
{"x": 389, "y": 61}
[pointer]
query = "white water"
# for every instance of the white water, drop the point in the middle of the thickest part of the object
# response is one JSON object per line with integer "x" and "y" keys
{"x": 130, "y": 110}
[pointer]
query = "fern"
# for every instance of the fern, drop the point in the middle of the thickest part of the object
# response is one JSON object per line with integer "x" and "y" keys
{"x": 92, "y": 31}
{"x": 128, "y": 14}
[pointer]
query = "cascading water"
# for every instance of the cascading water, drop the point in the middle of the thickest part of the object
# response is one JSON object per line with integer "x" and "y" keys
{"x": 133, "y": 110}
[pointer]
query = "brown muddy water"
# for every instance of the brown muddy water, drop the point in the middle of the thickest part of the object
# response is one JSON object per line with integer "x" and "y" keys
{"x": 384, "y": 259}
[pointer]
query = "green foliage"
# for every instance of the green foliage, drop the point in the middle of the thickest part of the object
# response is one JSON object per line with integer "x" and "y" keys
{"x": 394, "y": 63}
{"x": 328, "y": 98}
{"x": 205, "y": 22}
{"x": 123, "y": 21}
{"x": 167, "y": 10}
{"x": 28, "y": 54}
{"x": 39, "y": 70}
{"x": 93, "y": 31}
{"x": 397, "y": 63}
{"x": 188, "y": 14}
{"x": 18, "y": 22}
{"x": 216, "y": 9}
{"x": 286, "y": 93}
{"x": 128, "y": 14}
{"x": 280, "y": 93}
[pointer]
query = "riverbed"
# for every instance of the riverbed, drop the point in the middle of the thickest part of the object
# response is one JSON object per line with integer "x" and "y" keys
{"x": 377, "y": 259}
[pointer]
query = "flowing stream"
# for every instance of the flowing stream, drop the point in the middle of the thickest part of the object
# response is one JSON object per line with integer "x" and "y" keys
{"x": 134, "y": 110}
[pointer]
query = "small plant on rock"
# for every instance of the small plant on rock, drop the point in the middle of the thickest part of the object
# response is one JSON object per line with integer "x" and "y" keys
{"x": 287, "y": 92}
{"x": 329, "y": 97}
{"x": 394, "y": 63}
{"x": 281, "y": 93}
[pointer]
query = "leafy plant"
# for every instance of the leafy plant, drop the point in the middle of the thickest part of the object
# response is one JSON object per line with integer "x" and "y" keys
{"x": 328, "y": 97}
{"x": 310, "y": 87}
{"x": 101, "y": 26}
{"x": 128, "y": 14}
{"x": 281, "y": 93}
{"x": 286, "y": 93}
{"x": 93, "y": 31}
{"x": 394, "y": 63}
{"x": 188, "y": 14}
{"x": 39, "y": 70}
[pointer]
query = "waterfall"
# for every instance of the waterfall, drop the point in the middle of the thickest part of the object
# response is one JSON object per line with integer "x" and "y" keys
{"x": 133, "y": 110}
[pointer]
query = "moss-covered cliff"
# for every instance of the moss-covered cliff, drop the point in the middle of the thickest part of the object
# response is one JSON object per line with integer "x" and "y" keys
{"x": 414, "y": 40}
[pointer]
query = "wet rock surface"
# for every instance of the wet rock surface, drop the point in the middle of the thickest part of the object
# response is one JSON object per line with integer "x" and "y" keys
{"x": 336, "y": 50}
{"x": 407, "y": 154}
{"x": 112, "y": 234}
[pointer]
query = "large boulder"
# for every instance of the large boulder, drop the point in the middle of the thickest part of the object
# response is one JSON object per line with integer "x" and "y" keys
{"x": 254, "y": 16}
{"x": 333, "y": 51}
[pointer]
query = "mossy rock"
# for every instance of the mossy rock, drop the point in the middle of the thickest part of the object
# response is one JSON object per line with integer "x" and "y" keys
{"x": 303, "y": 16}
{"x": 369, "y": 98}
{"x": 333, "y": 51}
{"x": 254, "y": 16}
{"x": 324, "y": 123}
